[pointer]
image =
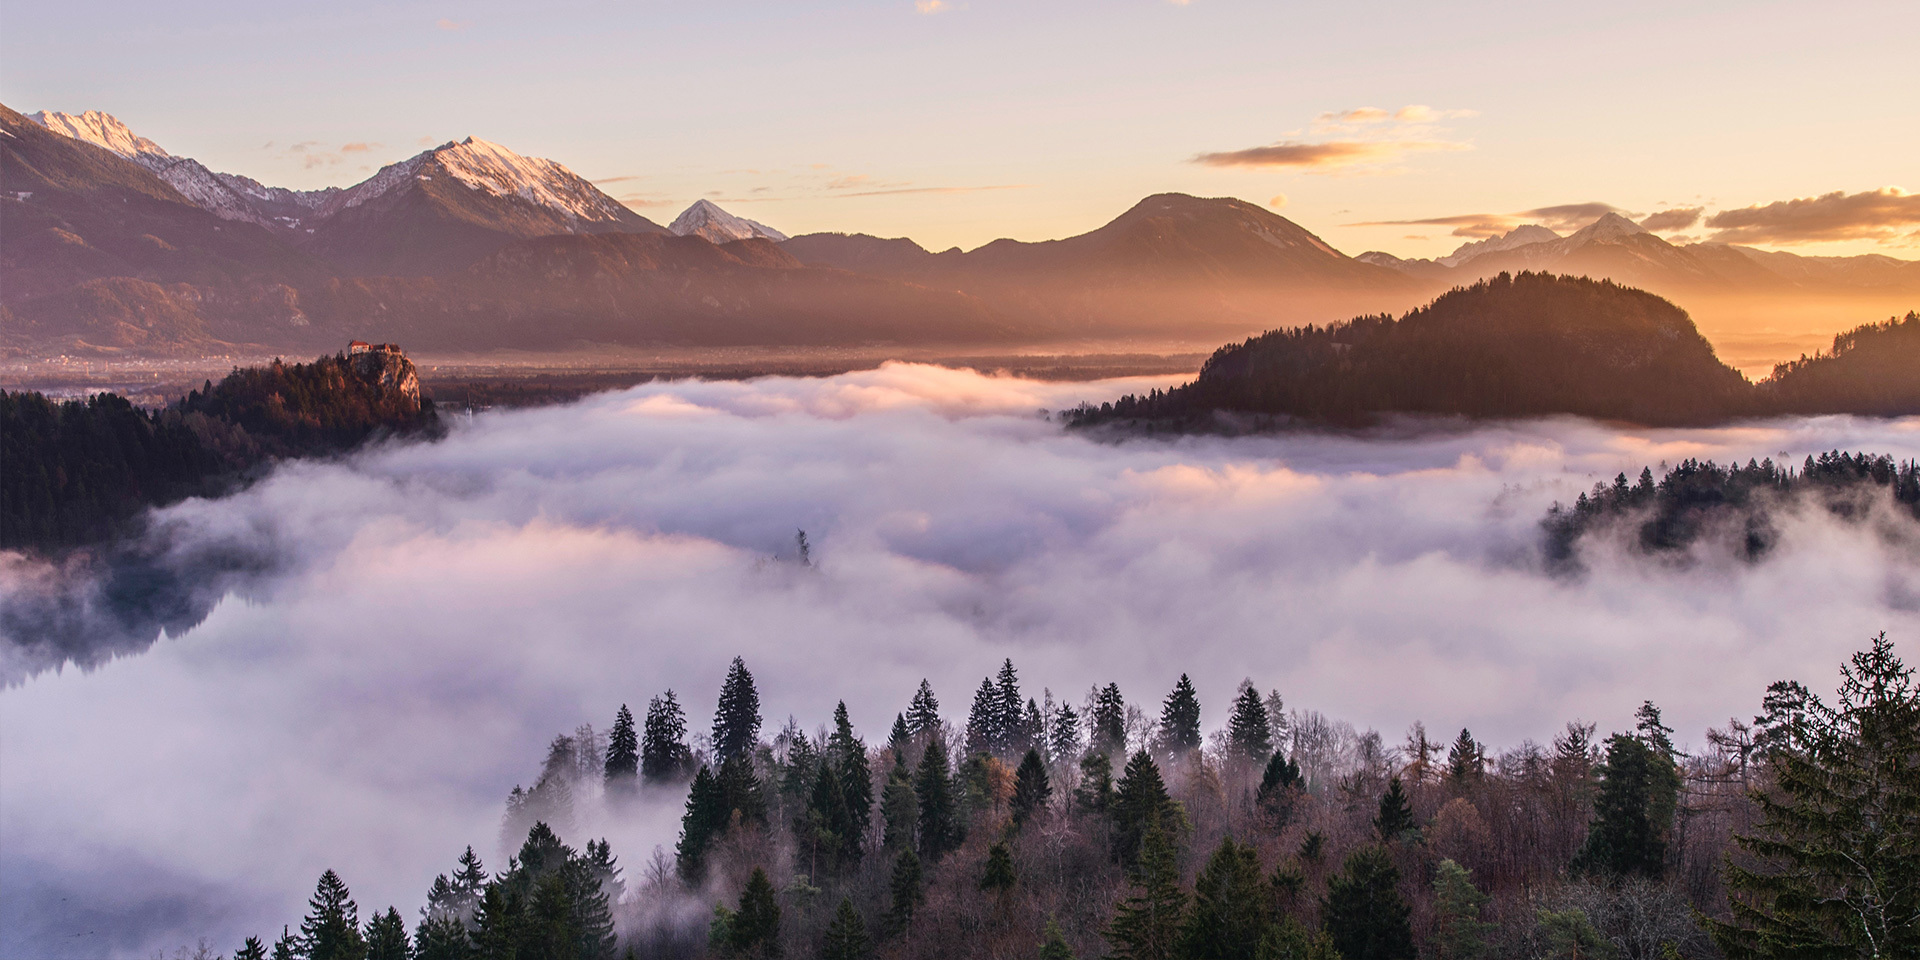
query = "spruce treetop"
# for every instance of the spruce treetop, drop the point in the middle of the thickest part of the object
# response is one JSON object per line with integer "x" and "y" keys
{"x": 736, "y": 719}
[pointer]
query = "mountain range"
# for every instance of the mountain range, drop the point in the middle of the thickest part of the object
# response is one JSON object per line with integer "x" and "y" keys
{"x": 112, "y": 245}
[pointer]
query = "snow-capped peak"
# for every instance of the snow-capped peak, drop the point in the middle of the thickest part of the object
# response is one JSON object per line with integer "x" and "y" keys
{"x": 1517, "y": 237}
{"x": 706, "y": 219}
{"x": 100, "y": 129}
{"x": 491, "y": 167}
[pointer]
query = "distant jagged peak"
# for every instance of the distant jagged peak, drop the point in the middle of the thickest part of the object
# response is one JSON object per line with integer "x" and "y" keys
{"x": 101, "y": 129}
{"x": 1610, "y": 226}
{"x": 489, "y": 167}
{"x": 705, "y": 219}
{"x": 1519, "y": 236}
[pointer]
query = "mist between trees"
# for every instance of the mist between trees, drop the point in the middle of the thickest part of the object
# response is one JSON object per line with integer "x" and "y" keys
{"x": 1061, "y": 826}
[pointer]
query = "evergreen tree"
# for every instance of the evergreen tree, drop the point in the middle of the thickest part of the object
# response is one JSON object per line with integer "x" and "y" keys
{"x": 1232, "y": 906}
{"x": 1053, "y": 943}
{"x": 1109, "y": 720}
{"x": 756, "y": 925}
{"x": 1139, "y": 802}
{"x": 706, "y": 817}
{"x": 441, "y": 938}
{"x": 740, "y": 792}
{"x": 469, "y": 879}
{"x": 940, "y": 828}
{"x": 1465, "y": 759}
{"x": 923, "y": 714}
{"x": 664, "y": 756}
{"x": 1364, "y": 912}
{"x": 252, "y": 949}
{"x": 1012, "y": 720}
{"x": 899, "y": 736}
{"x": 1180, "y": 720}
{"x": 899, "y": 808}
{"x": 499, "y": 922}
{"x": 825, "y": 827}
{"x": 1249, "y": 731}
{"x": 847, "y": 935}
{"x": 1836, "y": 854}
{"x": 387, "y": 937}
{"x": 905, "y": 889}
{"x": 1279, "y": 787}
{"x": 802, "y": 764}
{"x": 605, "y": 868}
{"x": 287, "y": 947}
{"x": 849, "y": 756}
{"x": 1633, "y": 812}
{"x": 1031, "y": 791}
{"x": 331, "y": 930}
{"x": 623, "y": 754}
{"x": 1396, "y": 814}
{"x": 999, "y": 873}
{"x": 1458, "y": 932}
{"x": 1655, "y": 734}
{"x": 1095, "y": 793}
{"x": 985, "y": 735}
{"x": 1147, "y": 924}
{"x": 736, "y": 720}
{"x": 1289, "y": 940}
{"x": 1063, "y": 742}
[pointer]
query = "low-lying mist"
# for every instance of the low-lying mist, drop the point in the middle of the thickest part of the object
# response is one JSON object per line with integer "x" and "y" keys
{"x": 364, "y": 656}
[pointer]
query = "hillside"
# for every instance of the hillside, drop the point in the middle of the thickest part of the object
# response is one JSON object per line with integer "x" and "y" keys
{"x": 1874, "y": 369}
{"x": 1526, "y": 345}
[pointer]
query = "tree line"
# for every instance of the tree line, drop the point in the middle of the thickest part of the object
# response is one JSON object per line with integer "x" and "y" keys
{"x": 1700, "y": 498}
{"x": 1058, "y": 830}
{"x": 81, "y": 471}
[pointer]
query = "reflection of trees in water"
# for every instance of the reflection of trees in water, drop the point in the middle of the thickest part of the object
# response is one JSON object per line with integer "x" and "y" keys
{"x": 93, "y": 605}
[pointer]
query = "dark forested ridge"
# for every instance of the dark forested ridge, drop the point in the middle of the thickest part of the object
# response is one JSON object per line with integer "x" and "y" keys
{"x": 1048, "y": 829}
{"x": 1526, "y": 345}
{"x": 1700, "y": 499}
{"x": 79, "y": 470}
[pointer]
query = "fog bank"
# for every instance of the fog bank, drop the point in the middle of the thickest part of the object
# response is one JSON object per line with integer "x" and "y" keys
{"x": 392, "y": 639}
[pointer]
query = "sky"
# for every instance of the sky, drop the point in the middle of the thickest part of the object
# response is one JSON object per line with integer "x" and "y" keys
{"x": 957, "y": 122}
{"x": 428, "y": 616}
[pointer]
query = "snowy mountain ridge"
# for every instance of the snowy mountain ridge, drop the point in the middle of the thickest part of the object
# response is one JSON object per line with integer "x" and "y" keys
{"x": 1517, "y": 237}
{"x": 706, "y": 219}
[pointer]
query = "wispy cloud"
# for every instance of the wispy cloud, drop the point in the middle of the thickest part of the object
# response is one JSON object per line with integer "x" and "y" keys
{"x": 1331, "y": 155}
{"x": 1883, "y": 215}
{"x": 897, "y": 190}
{"x": 1561, "y": 218}
{"x": 453, "y": 26}
{"x": 1678, "y": 218}
{"x": 931, "y": 7}
{"x": 619, "y": 179}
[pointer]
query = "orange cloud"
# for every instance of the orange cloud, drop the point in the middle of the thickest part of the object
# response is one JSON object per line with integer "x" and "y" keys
{"x": 1279, "y": 200}
{"x": 931, "y": 7}
{"x": 1561, "y": 218}
{"x": 1678, "y": 218}
{"x": 1872, "y": 215}
{"x": 1331, "y": 155}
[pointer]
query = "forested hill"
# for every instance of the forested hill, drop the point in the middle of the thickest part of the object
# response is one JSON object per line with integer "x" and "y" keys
{"x": 1531, "y": 344}
{"x": 78, "y": 471}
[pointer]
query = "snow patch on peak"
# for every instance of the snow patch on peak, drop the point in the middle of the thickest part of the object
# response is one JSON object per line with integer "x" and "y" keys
{"x": 1608, "y": 227}
{"x": 488, "y": 166}
{"x": 101, "y": 129}
{"x": 1517, "y": 237}
{"x": 705, "y": 219}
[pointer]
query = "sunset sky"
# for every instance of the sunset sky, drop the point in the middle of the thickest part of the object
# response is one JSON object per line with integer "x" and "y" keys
{"x": 959, "y": 121}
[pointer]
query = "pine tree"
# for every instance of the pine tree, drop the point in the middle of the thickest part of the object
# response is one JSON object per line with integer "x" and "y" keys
{"x": 1063, "y": 742}
{"x": 923, "y": 714}
{"x": 498, "y": 922}
{"x": 253, "y": 949}
{"x": 1147, "y": 924}
{"x": 1109, "y": 720}
{"x": 1248, "y": 730}
{"x": 469, "y": 879}
{"x": 1639, "y": 790}
{"x": 1458, "y": 932}
{"x": 623, "y": 754}
{"x": 1279, "y": 788}
{"x": 905, "y": 889}
{"x": 1364, "y": 912}
{"x": 287, "y": 947}
{"x": 664, "y": 756}
{"x": 706, "y": 817}
{"x": 1465, "y": 759}
{"x": 1232, "y": 906}
{"x": 1396, "y": 814}
{"x": 899, "y": 808}
{"x": 387, "y": 937}
{"x": 1180, "y": 720}
{"x": 1837, "y": 850}
{"x": 847, "y": 937}
{"x": 756, "y": 925}
{"x": 1031, "y": 791}
{"x": 331, "y": 930}
{"x": 825, "y": 826}
{"x": 985, "y": 736}
{"x": 1095, "y": 792}
{"x": 999, "y": 874}
{"x": 1011, "y": 719}
{"x": 899, "y": 736}
{"x": 1053, "y": 943}
{"x": 736, "y": 719}
{"x": 1139, "y": 802}
{"x": 849, "y": 756}
{"x": 441, "y": 938}
{"x": 940, "y": 829}
{"x": 1289, "y": 940}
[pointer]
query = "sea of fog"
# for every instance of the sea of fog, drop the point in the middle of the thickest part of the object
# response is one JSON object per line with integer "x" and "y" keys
{"x": 409, "y": 627}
